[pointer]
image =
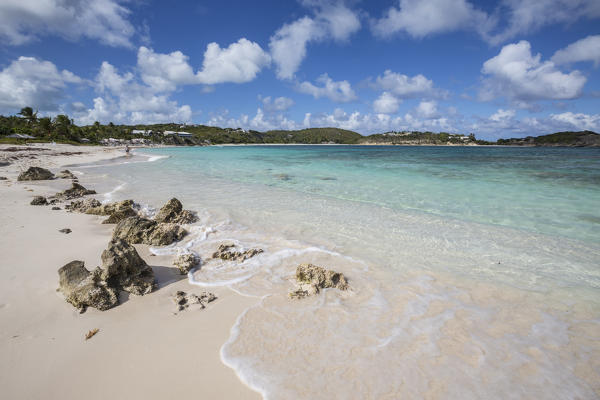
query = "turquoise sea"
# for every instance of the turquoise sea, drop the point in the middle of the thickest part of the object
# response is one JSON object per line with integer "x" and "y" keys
{"x": 475, "y": 271}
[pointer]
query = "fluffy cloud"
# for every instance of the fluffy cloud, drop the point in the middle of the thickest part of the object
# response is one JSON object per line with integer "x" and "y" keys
{"x": 260, "y": 122}
{"x": 587, "y": 49}
{"x": 577, "y": 121}
{"x": 278, "y": 104}
{"x": 526, "y": 16}
{"x": 337, "y": 91}
{"x": 404, "y": 86}
{"x": 288, "y": 44}
{"x": 22, "y": 21}
{"x": 238, "y": 63}
{"x": 428, "y": 109}
{"x": 28, "y": 81}
{"x": 520, "y": 76}
{"x": 124, "y": 100}
{"x": 420, "y": 18}
{"x": 387, "y": 103}
{"x": 164, "y": 71}
{"x": 502, "y": 115}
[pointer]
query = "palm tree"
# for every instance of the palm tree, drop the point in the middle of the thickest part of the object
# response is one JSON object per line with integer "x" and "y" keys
{"x": 28, "y": 114}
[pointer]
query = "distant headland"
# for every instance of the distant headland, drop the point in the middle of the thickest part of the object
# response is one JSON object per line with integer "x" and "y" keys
{"x": 27, "y": 127}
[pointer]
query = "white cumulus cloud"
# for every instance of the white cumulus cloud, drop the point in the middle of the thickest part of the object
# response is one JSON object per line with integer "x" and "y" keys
{"x": 238, "y": 63}
{"x": 586, "y": 49}
{"x": 520, "y": 76}
{"x": 428, "y": 109}
{"x": 404, "y": 86}
{"x": 28, "y": 81}
{"x": 22, "y": 21}
{"x": 337, "y": 91}
{"x": 386, "y": 103}
{"x": 277, "y": 104}
{"x": 288, "y": 44}
{"x": 420, "y": 18}
{"x": 578, "y": 121}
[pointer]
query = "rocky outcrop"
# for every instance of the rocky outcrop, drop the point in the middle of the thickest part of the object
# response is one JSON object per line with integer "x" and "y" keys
{"x": 311, "y": 279}
{"x": 35, "y": 174}
{"x": 173, "y": 212}
{"x": 122, "y": 269}
{"x": 117, "y": 211}
{"x": 39, "y": 201}
{"x": 82, "y": 205}
{"x": 142, "y": 230}
{"x": 227, "y": 251}
{"x": 65, "y": 174}
{"x": 183, "y": 300}
{"x": 76, "y": 191}
{"x": 185, "y": 262}
{"x": 83, "y": 288}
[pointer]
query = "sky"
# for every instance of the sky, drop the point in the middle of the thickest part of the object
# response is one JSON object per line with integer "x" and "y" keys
{"x": 506, "y": 68}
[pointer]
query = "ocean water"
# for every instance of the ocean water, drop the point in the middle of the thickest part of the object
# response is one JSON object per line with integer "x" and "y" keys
{"x": 474, "y": 272}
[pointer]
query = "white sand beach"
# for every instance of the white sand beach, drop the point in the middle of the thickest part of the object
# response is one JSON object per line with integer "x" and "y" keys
{"x": 142, "y": 349}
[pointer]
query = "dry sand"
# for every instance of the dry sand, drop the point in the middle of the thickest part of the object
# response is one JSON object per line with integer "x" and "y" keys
{"x": 142, "y": 350}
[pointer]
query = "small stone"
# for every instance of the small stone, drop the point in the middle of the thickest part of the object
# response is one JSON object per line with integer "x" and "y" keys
{"x": 56, "y": 208}
{"x": 226, "y": 251}
{"x": 65, "y": 230}
{"x": 65, "y": 174}
{"x": 39, "y": 201}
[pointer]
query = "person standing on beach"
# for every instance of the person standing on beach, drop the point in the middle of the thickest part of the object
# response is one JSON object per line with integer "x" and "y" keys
{"x": 127, "y": 150}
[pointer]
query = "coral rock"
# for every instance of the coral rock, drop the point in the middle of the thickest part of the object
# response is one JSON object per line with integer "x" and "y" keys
{"x": 185, "y": 262}
{"x": 35, "y": 174}
{"x": 66, "y": 174}
{"x": 311, "y": 279}
{"x": 39, "y": 201}
{"x": 82, "y": 205}
{"x": 123, "y": 267}
{"x": 173, "y": 212}
{"x": 227, "y": 252}
{"x": 183, "y": 300}
{"x": 143, "y": 230}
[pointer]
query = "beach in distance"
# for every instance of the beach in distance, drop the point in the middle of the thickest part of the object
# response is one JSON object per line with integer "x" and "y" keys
{"x": 446, "y": 272}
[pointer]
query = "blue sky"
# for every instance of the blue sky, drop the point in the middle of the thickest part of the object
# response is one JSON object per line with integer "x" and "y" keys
{"x": 503, "y": 68}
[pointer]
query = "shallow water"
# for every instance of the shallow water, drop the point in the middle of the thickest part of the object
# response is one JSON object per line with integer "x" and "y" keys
{"x": 474, "y": 272}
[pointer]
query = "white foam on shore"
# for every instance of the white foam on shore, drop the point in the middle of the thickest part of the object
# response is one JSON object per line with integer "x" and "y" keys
{"x": 108, "y": 196}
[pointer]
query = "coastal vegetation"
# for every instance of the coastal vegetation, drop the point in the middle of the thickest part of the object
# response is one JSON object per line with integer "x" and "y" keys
{"x": 26, "y": 126}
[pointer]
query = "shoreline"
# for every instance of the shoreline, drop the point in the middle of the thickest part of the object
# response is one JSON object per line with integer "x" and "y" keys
{"x": 139, "y": 340}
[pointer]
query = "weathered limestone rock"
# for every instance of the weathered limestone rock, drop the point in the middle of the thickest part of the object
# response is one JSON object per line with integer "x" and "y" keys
{"x": 39, "y": 201}
{"x": 183, "y": 300}
{"x": 83, "y": 288}
{"x": 185, "y": 262}
{"x": 35, "y": 174}
{"x": 117, "y": 211}
{"x": 227, "y": 251}
{"x": 82, "y": 205}
{"x": 173, "y": 212}
{"x": 65, "y": 174}
{"x": 311, "y": 279}
{"x": 122, "y": 267}
{"x": 74, "y": 192}
{"x": 142, "y": 230}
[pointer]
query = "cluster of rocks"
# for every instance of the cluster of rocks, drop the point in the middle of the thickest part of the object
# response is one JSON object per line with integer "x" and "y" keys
{"x": 74, "y": 192}
{"x": 122, "y": 269}
{"x": 116, "y": 212}
{"x": 184, "y": 300}
{"x": 311, "y": 279}
{"x": 227, "y": 251}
